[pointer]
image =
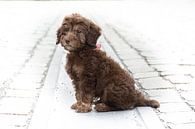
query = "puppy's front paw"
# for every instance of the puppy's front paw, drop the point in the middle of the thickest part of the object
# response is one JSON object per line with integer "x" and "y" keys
{"x": 75, "y": 105}
{"x": 83, "y": 107}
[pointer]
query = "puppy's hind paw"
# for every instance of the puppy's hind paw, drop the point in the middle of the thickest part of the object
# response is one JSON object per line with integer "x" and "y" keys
{"x": 102, "y": 107}
{"x": 74, "y": 106}
{"x": 84, "y": 108}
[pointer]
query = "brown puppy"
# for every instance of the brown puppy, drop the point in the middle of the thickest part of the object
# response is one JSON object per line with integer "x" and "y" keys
{"x": 95, "y": 75}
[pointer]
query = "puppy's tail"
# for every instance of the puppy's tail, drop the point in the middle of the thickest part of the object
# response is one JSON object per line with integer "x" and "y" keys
{"x": 143, "y": 101}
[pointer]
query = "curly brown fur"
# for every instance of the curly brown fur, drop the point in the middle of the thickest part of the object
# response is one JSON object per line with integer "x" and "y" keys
{"x": 93, "y": 73}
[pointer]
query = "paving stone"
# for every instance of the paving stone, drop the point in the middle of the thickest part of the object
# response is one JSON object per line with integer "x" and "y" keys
{"x": 147, "y": 53}
{"x": 24, "y": 85}
{"x": 168, "y": 68}
{"x": 33, "y": 70}
{"x": 21, "y": 106}
{"x": 161, "y": 92}
{"x": 12, "y": 120}
{"x": 186, "y": 61}
{"x": 41, "y": 55}
{"x": 165, "y": 95}
{"x": 2, "y": 92}
{"x": 28, "y": 78}
{"x": 36, "y": 64}
{"x": 127, "y": 50}
{"x": 128, "y": 53}
{"x": 31, "y": 76}
{"x": 140, "y": 62}
{"x": 16, "y": 53}
{"x": 157, "y": 61}
{"x": 185, "y": 87}
{"x": 179, "y": 79}
{"x": 49, "y": 40}
{"x": 11, "y": 68}
{"x": 145, "y": 75}
{"x": 188, "y": 95}
{"x": 45, "y": 48}
{"x": 175, "y": 70}
{"x": 5, "y": 75}
{"x": 21, "y": 93}
{"x": 193, "y": 74}
{"x": 191, "y": 102}
{"x": 155, "y": 83}
{"x": 118, "y": 46}
{"x": 183, "y": 126}
{"x": 15, "y": 62}
{"x": 174, "y": 107}
{"x": 140, "y": 69}
{"x": 25, "y": 82}
{"x": 179, "y": 117}
{"x": 12, "y": 127}
{"x": 130, "y": 57}
{"x": 40, "y": 59}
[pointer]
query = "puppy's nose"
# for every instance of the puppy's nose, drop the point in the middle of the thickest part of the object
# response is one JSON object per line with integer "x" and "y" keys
{"x": 67, "y": 41}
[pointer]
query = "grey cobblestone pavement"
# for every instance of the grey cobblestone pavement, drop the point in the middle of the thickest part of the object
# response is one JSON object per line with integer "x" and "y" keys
{"x": 26, "y": 50}
{"x": 161, "y": 58}
{"x": 177, "y": 110}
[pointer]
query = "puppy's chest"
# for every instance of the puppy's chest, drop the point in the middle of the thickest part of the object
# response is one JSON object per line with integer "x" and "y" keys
{"x": 77, "y": 68}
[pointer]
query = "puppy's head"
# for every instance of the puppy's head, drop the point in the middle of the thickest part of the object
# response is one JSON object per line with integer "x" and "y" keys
{"x": 77, "y": 32}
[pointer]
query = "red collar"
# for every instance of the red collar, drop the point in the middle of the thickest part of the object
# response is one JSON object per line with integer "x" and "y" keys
{"x": 98, "y": 46}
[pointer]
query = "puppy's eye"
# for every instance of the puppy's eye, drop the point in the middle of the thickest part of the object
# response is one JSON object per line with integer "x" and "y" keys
{"x": 65, "y": 25}
{"x": 78, "y": 31}
{"x": 66, "y": 29}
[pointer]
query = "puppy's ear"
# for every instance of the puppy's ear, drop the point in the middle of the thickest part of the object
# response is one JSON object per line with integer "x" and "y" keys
{"x": 93, "y": 34}
{"x": 59, "y": 33}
